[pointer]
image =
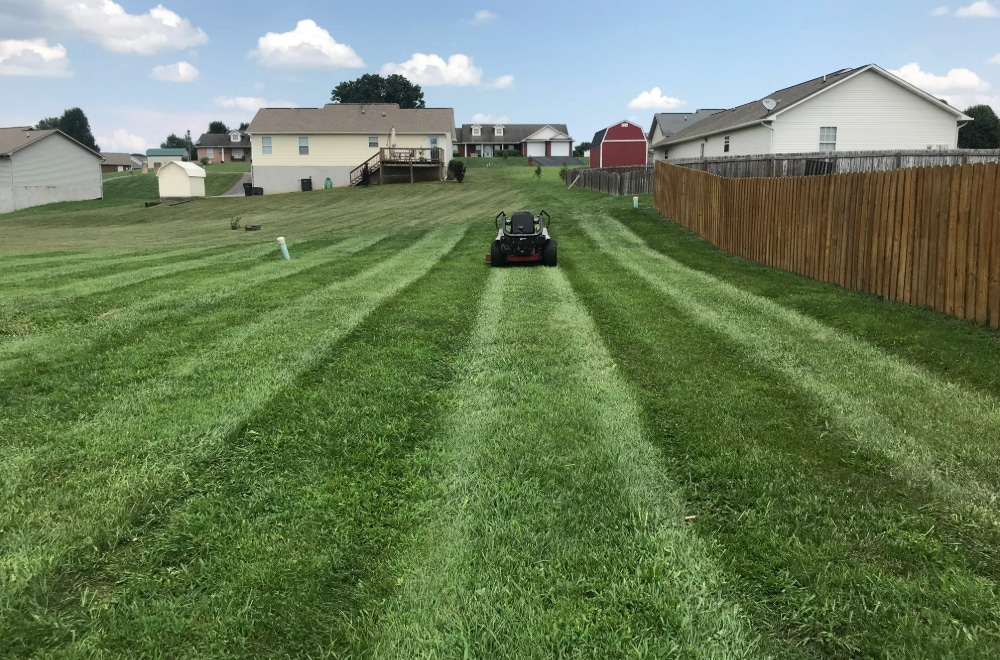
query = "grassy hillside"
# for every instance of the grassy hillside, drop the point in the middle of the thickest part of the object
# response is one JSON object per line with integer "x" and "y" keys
{"x": 385, "y": 448}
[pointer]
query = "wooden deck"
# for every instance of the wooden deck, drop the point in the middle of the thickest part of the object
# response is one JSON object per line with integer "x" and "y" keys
{"x": 392, "y": 162}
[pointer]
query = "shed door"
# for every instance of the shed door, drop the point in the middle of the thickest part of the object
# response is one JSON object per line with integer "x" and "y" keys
{"x": 560, "y": 148}
{"x": 536, "y": 149}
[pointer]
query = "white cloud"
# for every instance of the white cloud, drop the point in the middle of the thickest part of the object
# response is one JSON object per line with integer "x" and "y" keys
{"x": 108, "y": 24}
{"x": 995, "y": 59}
{"x": 482, "y": 118}
{"x": 432, "y": 71}
{"x": 180, "y": 72}
{"x": 33, "y": 57}
{"x": 956, "y": 80}
{"x": 122, "y": 140}
{"x": 308, "y": 46}
{"x": 980, "y": 9}
{"x": 943, "y": 10}
{"x": 483, "y": 16}
{"x": 250, "y": 103}
{"x": 654, "y": 100}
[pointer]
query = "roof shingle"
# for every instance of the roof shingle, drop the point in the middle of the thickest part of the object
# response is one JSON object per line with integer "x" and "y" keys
{"x": 353, "y": 118}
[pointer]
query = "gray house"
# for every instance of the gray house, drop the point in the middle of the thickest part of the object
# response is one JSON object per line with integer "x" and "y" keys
{"x": 42, "y": 167}
{"x": 665, "y": 124}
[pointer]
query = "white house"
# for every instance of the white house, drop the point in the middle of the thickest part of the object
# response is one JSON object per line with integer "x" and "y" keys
{"x": 179, "y": 179}
{"x": 41, "y": 167}
{"x": 862, "y": 109}
{"x": 292, "y": 144}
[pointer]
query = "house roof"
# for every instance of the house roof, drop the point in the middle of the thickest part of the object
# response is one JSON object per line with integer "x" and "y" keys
{"x": 174, "y": 151}
{"x": 190, "y": 168}
{"x": 222, "y": 140}
{"x": 674, "y": 122}
{"x": 363, "y": 118}
{"x": 789, "y": 97}
{"x": 18, "y": 137}
{"x": 512, "y": 133}
{"x": 118, "y": 159}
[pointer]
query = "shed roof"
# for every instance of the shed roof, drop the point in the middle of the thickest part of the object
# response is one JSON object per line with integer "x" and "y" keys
{"x": 190, "y": 168}
{"x": 118, "y": 159}
{"x": 363, "y": 118}
{"x": 174, "y": 151}
{"x": 601, "y": 134}
{"x": 754, "y": 111}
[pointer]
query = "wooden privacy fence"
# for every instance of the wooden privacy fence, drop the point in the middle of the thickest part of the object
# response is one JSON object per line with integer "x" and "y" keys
{"x": 840, "y": 162}
{"x": 613, "y": 180}
{"x": 924, "y": 236}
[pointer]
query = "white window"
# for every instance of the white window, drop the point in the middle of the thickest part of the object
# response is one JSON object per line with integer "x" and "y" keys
{"x": 303, "y": 146}
{"x": 828, "y": 138}
{"x": 498, "y": 131}
{"x": 432, "y": 142}
{"x": 265, "y": 145}
{"x": 237, "y": 153}
{"x": 210, "y": 153}
{"x": 477, "y": 130}
{"x": 373, "y": 141}
{"x": 235, "y": 137}
{"x": 725, "y": 144}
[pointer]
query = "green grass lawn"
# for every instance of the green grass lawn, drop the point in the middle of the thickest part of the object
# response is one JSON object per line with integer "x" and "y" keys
{"x": 385, "y": 448}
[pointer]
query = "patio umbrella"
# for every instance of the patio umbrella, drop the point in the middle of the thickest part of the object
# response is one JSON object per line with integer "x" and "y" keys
{"x": 392, "y": 137}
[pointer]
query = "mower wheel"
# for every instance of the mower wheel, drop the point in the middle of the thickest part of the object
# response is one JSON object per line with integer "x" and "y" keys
{"x": 549, "y": 253}
{"x": 496, "y": 255}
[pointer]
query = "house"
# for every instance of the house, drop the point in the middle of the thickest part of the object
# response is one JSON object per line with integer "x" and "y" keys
{"x": 621, "y": 144}
{"x": 181, "y": 180}
{"x": 157, "y": 158}
{"x": 116, "y": 162}
{"x": 294, "y": 145}
{"x": 231, "y": 147}
{"x": 41, "y": 167}
{"x": 666, "y": 124}
{"x": 531, "y": 140}
{"x": 861, "y": 109}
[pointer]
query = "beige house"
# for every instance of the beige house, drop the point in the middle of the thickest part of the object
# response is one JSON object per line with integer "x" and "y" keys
{"x": 181, "y": 180}
{"x": 315, "y": 144}
{"x": 42, "y": 167}
{"x": 861, "y": 109}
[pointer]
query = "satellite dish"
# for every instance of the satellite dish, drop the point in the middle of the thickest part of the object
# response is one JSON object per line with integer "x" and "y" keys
{"x": 770, "y": 104}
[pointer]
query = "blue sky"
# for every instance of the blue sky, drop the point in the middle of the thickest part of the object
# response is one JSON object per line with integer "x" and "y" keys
{"x": 141, "y": 70}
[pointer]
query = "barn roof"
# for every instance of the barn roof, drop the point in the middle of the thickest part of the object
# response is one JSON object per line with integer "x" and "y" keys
{"x": 755, "y": 112}
{"x": 601, "y": 134}
{"x": 363, "y": 118}
{"x": 512, "y": 133}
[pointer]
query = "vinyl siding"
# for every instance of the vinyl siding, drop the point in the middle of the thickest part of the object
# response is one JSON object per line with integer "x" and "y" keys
{"x": 55, "y": 169}
{"x": 175, "y": 182}
{"x": 333, "y": 150}
{"x": 870, "y": 113}
{"x": 748, "y": 141}
{"x": 5, "y": 176}
{"x": 6, "y": 189}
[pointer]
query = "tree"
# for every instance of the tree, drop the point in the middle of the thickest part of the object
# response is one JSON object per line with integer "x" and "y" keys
{"x": 373, "y": 88}
{"x": 244, "y": 126}
{"x": 177, "y": 142}
{"x": 983, "y": 132}
{"x": 73, "y": 123}
{"x": 580, "y": 148}
{"x": 218, "y": 128}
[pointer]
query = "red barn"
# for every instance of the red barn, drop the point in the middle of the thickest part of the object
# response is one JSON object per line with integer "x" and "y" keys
{"x": 623, "y": 143}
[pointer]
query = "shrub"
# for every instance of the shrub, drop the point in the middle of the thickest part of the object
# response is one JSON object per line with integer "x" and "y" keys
{"x": 204, "y": 161}
{"x": 235, "y": 222}
{"x": 457, "y": 169}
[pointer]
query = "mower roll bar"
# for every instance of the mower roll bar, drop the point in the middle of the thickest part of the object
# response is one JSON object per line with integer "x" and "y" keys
{"x": 501, "y": 214}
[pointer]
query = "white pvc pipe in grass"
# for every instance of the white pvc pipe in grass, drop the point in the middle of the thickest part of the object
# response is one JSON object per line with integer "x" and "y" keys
{"x": 284, "y": 248}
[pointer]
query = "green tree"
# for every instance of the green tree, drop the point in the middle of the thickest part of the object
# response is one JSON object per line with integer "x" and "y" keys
{"x": 178, "y": 142}
{"x": 218, "y": 127}
{"x": 983, "y": 132}
{"x": 580, "y": 148}
{"x": 73, "y": 123}
{"x": 244, "y": 126}
{"x": 373, "y": 88}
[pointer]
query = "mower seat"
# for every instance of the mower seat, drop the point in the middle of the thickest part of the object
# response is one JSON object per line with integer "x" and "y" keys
{"x": 522, "y": 222}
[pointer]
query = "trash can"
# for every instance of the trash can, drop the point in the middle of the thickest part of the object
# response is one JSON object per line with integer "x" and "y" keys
{"x": 258, "y": 191}
{"x": 307, "y": 184}
{"x": 247, "y": 189}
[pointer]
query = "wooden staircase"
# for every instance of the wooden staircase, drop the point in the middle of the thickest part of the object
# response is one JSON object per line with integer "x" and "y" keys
{"x": 373, "y": 164}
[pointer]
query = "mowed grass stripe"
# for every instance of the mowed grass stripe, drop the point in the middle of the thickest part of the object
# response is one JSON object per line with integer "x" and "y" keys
{"x": 827, "y": 553}
{"x": 304, "y": 510}
{"x": 555, "y": 532}
{"x": 137, "y": 451}
{"x": 24, "y": 275}
{"x": 934, "y": 430}
{"x": 177, "y": 301}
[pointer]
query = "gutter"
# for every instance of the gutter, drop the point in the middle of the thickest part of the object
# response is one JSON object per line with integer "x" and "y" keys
{"x": 769, "y": 127}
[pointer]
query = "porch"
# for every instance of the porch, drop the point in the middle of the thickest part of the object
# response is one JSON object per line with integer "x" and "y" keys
{"x": 401, "y": 165}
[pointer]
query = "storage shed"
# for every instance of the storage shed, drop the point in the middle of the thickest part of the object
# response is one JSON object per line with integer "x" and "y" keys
{"x": 179, "y": 180}
{"x": 620, "y": 144}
